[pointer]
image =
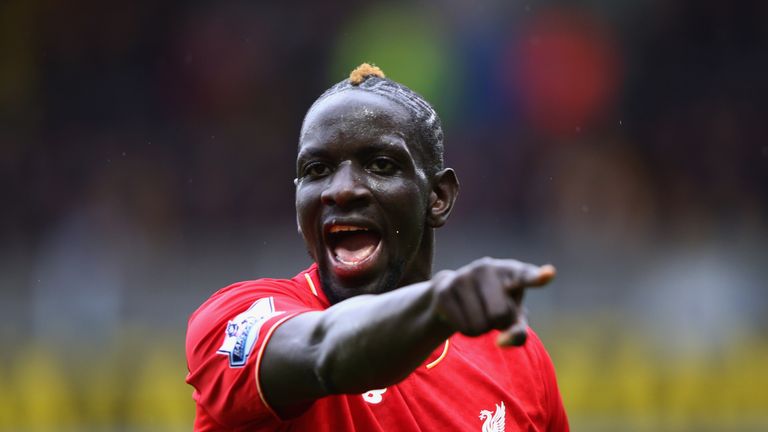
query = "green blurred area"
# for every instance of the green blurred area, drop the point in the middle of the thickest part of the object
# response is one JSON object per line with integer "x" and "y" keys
{"x": 410, "y": 46}
{"x": 607, "y": 385}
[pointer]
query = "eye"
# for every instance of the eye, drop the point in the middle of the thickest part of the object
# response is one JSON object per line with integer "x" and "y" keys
{"x": 383, "y": 166}
{"x": 316, "y": 170}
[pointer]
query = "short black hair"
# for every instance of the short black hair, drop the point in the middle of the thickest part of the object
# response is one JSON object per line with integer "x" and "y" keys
{"x": 428, "y": 128}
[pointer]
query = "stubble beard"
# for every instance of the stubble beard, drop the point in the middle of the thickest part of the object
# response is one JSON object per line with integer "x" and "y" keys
{"x": 338, "y": 294}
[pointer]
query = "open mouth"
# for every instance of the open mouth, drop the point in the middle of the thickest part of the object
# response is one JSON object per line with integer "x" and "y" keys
{"x": 352, "y": 248}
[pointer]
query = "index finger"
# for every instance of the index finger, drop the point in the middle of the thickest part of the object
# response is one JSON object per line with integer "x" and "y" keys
{"x": 528, "y": 275}
{"x": 544, "y": 275}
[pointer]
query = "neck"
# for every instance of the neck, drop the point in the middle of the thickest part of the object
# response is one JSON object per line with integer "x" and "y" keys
{"x": 420, "y": 268}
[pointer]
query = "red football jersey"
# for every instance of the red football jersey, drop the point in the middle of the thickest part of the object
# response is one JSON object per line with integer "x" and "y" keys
{"x": 467, "y": 384}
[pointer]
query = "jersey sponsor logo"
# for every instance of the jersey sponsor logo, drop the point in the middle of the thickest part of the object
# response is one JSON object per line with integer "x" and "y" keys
{"x": 374, "y": 396}
{"x": 494, "y": 421}
{"x": 242, "y": 331}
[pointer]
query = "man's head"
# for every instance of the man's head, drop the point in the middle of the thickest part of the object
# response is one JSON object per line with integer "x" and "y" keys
{"x": 370, "y": 185}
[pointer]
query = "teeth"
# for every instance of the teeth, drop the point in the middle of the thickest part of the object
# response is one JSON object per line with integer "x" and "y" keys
{"x": 343, "y": 228}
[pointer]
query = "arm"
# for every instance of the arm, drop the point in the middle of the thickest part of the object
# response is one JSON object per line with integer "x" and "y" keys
{"x": 348, "y": 348}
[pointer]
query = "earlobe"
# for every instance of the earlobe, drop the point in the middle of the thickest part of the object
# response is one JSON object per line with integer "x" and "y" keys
{"x": 445, "y": 189}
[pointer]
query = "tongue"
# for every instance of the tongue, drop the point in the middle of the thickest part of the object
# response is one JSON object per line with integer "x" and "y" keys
{"x": 353, "y": 248}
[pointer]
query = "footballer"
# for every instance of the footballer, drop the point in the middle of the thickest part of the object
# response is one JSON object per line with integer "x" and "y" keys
{"x": 368, "y": 338}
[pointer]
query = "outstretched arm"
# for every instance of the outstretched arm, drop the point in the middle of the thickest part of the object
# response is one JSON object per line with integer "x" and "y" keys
{"x": 373, "y": 341}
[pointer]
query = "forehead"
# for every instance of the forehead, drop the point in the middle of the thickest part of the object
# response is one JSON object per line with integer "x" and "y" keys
{"x": 355, "y": 112}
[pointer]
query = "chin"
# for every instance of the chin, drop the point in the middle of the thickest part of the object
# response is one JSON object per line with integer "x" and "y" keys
{"x": 338, "y": 288}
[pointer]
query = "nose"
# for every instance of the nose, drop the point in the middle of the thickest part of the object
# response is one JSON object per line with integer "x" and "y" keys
{"x": 346, "y": 187}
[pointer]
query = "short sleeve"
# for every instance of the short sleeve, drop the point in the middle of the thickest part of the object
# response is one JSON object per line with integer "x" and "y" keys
{"x": 225, "y": 338}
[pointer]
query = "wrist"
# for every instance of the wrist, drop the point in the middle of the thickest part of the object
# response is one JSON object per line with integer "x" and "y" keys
{"x": 439, "y": 290}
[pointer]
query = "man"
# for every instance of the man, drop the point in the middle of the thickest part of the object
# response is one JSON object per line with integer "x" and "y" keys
{"x": 367, "y": 339}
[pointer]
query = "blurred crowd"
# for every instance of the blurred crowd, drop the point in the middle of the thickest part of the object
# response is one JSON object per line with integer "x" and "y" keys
{"x": 147, "y": 157}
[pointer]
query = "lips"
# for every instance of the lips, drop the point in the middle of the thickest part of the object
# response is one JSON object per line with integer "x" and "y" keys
{"x": 353, "y": 248}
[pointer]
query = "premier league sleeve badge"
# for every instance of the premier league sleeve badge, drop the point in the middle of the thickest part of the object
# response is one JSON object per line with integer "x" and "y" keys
{"x": 242, "y": 331}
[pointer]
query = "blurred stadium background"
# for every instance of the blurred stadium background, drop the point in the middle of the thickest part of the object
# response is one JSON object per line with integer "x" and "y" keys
{"x": 147, "y": 157}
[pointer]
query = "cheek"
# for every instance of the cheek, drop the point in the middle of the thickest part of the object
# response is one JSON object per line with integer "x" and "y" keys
{"x": 408, "y": 208}
{"x": 306, "y": 210}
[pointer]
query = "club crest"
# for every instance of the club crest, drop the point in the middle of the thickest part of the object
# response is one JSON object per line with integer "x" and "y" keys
{"x": 494, "y": 421}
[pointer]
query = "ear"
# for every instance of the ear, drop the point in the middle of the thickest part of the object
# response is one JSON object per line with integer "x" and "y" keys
{"x": 445, "y": 189}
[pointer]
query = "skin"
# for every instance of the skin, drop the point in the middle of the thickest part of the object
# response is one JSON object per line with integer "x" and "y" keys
{"x": 359, "y": 161}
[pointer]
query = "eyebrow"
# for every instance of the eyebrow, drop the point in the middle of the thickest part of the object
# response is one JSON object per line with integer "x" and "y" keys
{"x": 385, "y": 144}
{"x": 381, "y": 144}
{"x": 309, "y": 152}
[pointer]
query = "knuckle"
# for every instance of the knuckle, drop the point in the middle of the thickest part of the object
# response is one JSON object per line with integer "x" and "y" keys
{"x": 443, "y": 275}
{"x": 480, "y": 262}
{"x": 484, "y": 261}
{"x": 465, "y": 274}
{"x": 444, "y": 279}
{"x": 479, "y": 267}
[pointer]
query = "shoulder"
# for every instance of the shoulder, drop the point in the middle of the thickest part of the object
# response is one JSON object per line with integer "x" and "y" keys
{"x": 536, "y": 347}
{"x": 264, "y": 295}
{"x": 557, "y": 418}
{"x": 530, "y": 362}
{"x": 225, "y": 338}
{"x": 535, "y": 354}
{"x": 534, "y": 343}
{"x": 245, "y": 291}
{"x": 295, "y": 290}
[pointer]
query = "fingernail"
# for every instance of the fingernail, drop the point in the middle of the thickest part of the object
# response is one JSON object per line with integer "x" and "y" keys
{"x": 546, "y": 273}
